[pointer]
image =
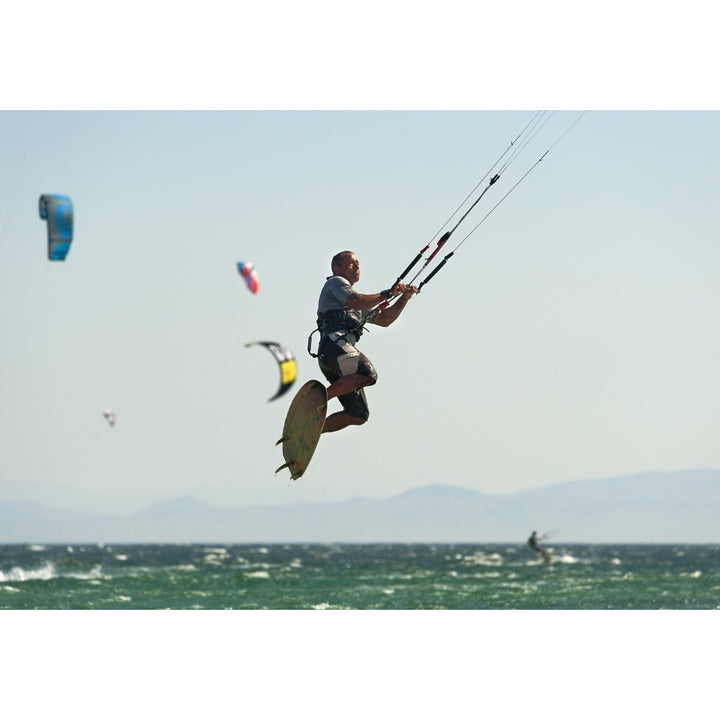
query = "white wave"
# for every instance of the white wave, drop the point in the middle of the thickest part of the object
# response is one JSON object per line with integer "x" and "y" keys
{"x": 37, "y": 548}
{"x": 263, "y": 574}
{"x": 94, "y": 574}
{"x": 694, "y": 574}
{"x": 481, "y": 558}
{"x": 49, "y": 571}
{"x": 18, "y": 574}
{"x": 248, "y": 566}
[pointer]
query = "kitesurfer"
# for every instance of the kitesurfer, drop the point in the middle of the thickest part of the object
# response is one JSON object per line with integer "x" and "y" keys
{"x": 341, "y": 314}
{"x": 533, "y": 541}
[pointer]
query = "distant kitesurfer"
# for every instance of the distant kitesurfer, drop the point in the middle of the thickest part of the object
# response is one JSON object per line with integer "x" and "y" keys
{"x": 533, "y": 541}
{"x": 341, "y": 314}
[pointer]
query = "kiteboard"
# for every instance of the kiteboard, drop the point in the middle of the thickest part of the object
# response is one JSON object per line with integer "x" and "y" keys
{"x": 303, "y": 426}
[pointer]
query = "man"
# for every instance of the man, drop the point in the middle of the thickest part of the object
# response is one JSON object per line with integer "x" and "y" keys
{"x": 533, "y": 541}
{"x": 342, "y": 313}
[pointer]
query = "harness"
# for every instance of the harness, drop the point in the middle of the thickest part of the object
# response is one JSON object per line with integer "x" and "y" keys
{"x": 342, "y": 320}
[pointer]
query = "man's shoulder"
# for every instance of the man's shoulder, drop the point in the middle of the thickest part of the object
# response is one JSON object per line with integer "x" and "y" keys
{"x": 338, "y": 280}
{"x": 337, "y": 286}
{"x": 334, "y": 294}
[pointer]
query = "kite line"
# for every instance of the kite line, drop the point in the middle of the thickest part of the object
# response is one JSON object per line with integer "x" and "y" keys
{"x": 517, "y": 145}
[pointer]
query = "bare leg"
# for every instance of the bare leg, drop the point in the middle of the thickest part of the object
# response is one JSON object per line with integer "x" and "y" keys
{"x": 347, "y": 383}
{"x": 342, "y": 386}
{"x": 339, "y": 420}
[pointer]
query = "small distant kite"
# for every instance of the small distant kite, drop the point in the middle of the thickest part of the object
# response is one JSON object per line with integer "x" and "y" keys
{"x": 58, "y": 211}
{"x": 109, "y": 415}
{"x": 287, "y": 363}
{"x": 247, "y": 270}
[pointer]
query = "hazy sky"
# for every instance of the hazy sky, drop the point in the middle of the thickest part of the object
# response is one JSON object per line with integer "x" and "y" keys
{"x": 571, "y": 336}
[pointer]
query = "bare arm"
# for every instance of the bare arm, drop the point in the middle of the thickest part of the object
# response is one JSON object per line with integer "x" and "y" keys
{"x": 387, "y": 316}
{"x": 358, "y": 301}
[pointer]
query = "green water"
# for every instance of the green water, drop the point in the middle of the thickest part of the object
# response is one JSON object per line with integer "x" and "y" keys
{"x": 358, "y": 577}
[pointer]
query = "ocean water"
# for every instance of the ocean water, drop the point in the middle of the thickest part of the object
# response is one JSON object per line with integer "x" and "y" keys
{"x": 361, "y": 577}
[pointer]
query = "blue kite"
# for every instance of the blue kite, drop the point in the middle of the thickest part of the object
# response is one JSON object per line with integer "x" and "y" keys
{"x": 58, "y": 211}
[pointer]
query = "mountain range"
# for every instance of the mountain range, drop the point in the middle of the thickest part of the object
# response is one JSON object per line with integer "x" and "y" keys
{"x": 680, "y": 507}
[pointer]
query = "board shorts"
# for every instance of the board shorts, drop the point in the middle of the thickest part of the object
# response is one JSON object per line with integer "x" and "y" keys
{"x": 337, "y": 357}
